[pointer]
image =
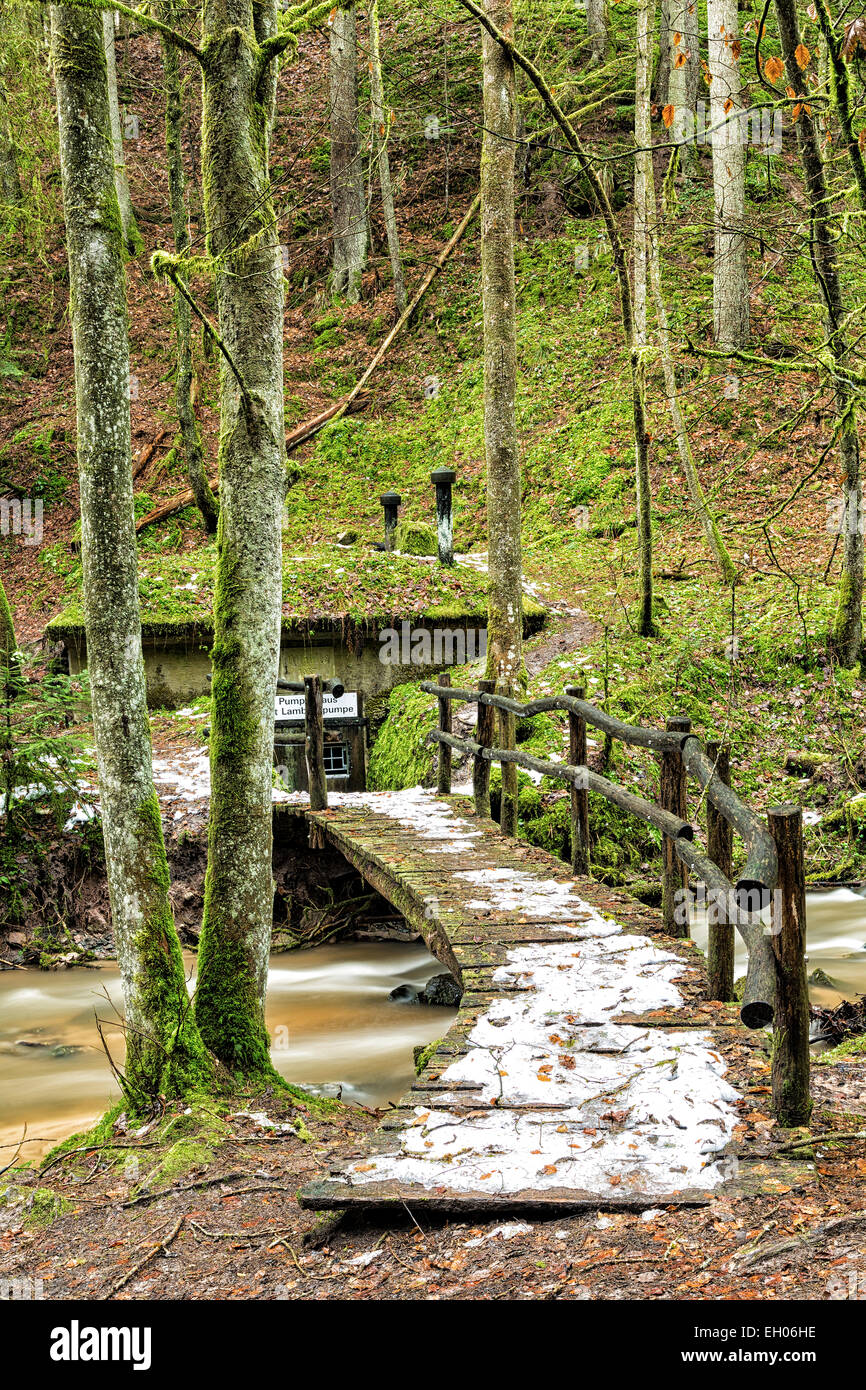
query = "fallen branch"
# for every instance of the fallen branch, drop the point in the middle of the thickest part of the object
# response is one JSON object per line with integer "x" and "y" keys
{"x": 355, "y": 400}
{"x": 144, "y": 455}
{"x": 831, "y": 1136}
{"x": 154, "y": 1250}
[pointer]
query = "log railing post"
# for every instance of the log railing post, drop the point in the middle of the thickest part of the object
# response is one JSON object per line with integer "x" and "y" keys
{"x": 443, "y": 784}
{"x": 720, "y": 929}
{"x": 444, "y": 478}
{"x": 480, "y": 764}
{"x": 579, "y": 795}
{"x": 508, "y": 740}
{"x": 672, "y": 797}
{"x": 390, "y": 506}
{"x": 790, "y": 1071}
{"x": 314, "y": 743}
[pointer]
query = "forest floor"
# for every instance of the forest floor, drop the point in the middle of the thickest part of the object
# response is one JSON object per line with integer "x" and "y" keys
{"x": 219, "y": 1220}
{"x": 749, "y": 664}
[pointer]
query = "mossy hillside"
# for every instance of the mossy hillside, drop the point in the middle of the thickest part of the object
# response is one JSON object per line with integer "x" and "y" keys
{"x": 365, "y": 586}
{"x": 400, "y": 756}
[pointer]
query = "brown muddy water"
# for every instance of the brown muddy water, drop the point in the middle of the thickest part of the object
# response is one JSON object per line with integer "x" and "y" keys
{"x": 329, "y": 1016}
{"x": 835, "y": 944}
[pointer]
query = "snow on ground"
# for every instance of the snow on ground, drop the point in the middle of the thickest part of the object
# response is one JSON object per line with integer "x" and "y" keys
{"x": 620, "y": 1108}
{"x": 628, "y": 1110}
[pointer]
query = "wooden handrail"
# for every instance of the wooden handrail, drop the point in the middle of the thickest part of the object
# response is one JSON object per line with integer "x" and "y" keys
{"x": 738, "y": 905}
{"x": 759, "y": 874}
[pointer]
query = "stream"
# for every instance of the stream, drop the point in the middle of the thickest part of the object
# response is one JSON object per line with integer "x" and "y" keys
{"x": 329, "y": 1015}
{"x": 328, "y": 1012}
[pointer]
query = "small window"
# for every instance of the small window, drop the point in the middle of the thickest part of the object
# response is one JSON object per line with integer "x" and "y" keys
{"x": 336, "y": 759}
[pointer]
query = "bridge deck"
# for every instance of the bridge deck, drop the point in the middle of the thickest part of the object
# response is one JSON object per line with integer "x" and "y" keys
{"x": 583, "y": 1068}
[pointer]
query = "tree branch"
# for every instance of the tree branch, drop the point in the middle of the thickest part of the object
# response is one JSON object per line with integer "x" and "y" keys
{"x": 146, "y": 20}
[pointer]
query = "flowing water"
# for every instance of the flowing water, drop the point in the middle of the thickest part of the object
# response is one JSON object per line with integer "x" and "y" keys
{"x": 835, "y": 944}
{"x": 329, "y": 1017}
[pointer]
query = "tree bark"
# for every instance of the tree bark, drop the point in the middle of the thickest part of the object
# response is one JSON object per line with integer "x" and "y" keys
{"x": 730, "y": 274}
{"x": 505, "y": 592}
{"x": 241, "y": 229}
{"x": 847, "y": 628}
{"x": 597, "y": 29}
{"x": 381, "y": 128}
{"x": 164, "y": 1052}
{"x": 131, "y": 236}
{"x": 680, "y": 83}
{"x": 193, "y": 447}
{"x": 661, "y": 82}
{"x": 647, "y": 236}
{"x": 347, "y": 170}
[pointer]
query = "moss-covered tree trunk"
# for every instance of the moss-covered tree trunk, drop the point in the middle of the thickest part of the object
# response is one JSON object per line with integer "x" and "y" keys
{"x": 348, "y": 207}
{"x": 381, "y": 128}
{"x": 10, "y": 183}
{"x": 236, "y": 931}
{"x": 164, "y": 1052}
{"x": 193, "y": 448}
{"x": 131, "y": 235}
{"x": 730, "y": 274}
{"x": 847, "y": 630}
{"x": 505, "y": 611}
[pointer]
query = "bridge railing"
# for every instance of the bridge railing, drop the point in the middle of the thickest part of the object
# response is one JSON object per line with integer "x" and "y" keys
{"x": 773, "y": 873}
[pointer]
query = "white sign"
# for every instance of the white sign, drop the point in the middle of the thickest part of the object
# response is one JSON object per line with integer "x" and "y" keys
{"x": 289, "y": 709}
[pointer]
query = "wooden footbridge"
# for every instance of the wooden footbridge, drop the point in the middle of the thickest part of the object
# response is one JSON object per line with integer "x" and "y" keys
{"x": 587, "y": 1065}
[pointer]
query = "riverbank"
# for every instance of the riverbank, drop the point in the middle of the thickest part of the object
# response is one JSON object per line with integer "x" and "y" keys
{"x": 202, "y": 1206}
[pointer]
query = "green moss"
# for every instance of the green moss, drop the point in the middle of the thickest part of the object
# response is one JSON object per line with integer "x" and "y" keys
{"x": 400, "y": 756}
{"x": 43, "y": 1206}
{"x": 169, "y": 1058}
{"x": 416, "y": 538}
{"x": 423, "y": 1053}
{"x": 183, "y": 1157}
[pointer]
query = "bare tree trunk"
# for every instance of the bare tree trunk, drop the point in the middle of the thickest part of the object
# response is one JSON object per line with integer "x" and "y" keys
{"x": 381, "y": 129}
{"x": 643, "y": 163}
{"x": 661, "y": 84}
{"x": 190, "y": 434}
{"x": 692, "y": 43}
{"x": 131, "y": 235}
{"x": 241, "y": 225}
{"x": 680, "y": 83}
{"x": 730, "y": 273}
{"x": 596, "y": 27}
{"x": 505, "y": 592}
{"x": 347, "y": 169}
{"x": 164, "y": 1052}
{"x": 847, "y": 629}
{"x": 647, "y": 258}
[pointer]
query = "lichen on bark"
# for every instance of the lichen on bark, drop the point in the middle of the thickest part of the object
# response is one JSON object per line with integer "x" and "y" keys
{"x": 241, "y": 237}
{"x": 164, "y": 1051}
